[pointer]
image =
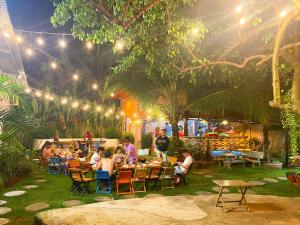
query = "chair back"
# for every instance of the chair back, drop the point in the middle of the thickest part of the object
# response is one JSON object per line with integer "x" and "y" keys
{"x": 155, "y": 171}
{"x": 140, "y": 174}
{"x": 75, "y": 174}
{"x": 168, "y": 171}
{"x": 54, "y": 160}
{"x": 125, "y": 175}
{"x": 74, "y": 163}
{"x": 102, "y": 175}
{"x": 189, "y": 170}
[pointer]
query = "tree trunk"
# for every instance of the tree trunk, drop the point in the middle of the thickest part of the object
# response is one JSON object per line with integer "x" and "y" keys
{"x": 266, "y": 142}
{"x": 175, "y": 134}
{"x": 185, "y": 128}
{"x": 296, "y": 89}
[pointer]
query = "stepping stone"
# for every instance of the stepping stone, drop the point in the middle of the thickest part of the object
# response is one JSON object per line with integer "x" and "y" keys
{"x": 40, "y": 181}
{"x": 104, "y": 198}
{"x": 256, "y": 183}
{"x": 270, "y": 180}
{"x": 71, "y": 203}
{"x": 2, "y": 202}
{"x": 153, "y": 195}
{"x": 203, "y": 193}
{"x": 30, "y": 186}
{"x": 282, "y": 178}
{"x": 14, "y": 193}
{"x": 225, "y": 190}
{"x": 4, "y": 221}
{"x": 4, "y": 210}
{"x": 208, "y": 176}
{"x": 36, "y": 207}
{"x": 198, "y": 172}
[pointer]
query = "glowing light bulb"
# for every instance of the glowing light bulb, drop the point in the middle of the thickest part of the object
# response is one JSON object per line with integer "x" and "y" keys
{"x": 195, "y": 31}
{"x": 62, "y": 43}
{"x": 19, "y": 39}
{"x": 40, "y": 41}
{"x": 51, "y": 98}
{"x": 122, "y": 113}
{"x": 283, "y": 13}
{"x": 75, "y": 104}
{"x": 89, "y": 45}
{"x": 38, "y": 94}
{"x": 119, "y": 45}
{"x": 29, "y": 52}
{"x": 6, "y": 34}
{"x": 28, "y": 90}
{"x": 95, "y": 86}
{"x": 64, "y": 101}
{"x": 242, "y": 21}
{"x": 117, "y": 117}
{"x": 98, "y": 108}
{"x": 110, "y": 111}
{"x": 86, "y": 107}
{"x": 135, "y": 115}
{"x": 239, "y": 8}
{"x": 112, "y": 95}
{"x": 53, "y": 65}
{"x": 148, "y": 117}
{"x": 225, "y": 122}
{"x": 75, "y": 77}
{"x": 149, "y": 111}
{"x": 47, "y": 96}
{"x": 106, "y": 114}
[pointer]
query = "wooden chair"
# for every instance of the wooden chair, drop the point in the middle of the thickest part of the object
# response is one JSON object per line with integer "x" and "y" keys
{"x": 166, "y": 180}
{"x": 153, "y": 176}
{"x": 124, "y": 179}
{"x": 80, "y": 183}
{"x": 139, "y": 177}
{"x": 74, "y": 164}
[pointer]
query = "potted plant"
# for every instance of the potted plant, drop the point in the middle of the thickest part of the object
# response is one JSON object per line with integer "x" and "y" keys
{"x": 147, "y": 142}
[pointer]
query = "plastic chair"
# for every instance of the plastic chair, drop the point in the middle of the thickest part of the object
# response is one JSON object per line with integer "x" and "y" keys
{"x": 124, "y": 179}
{"x": 139, "y": 177}
{"x": 166, "y": 179}
{"x": 54, "y": 165}
{"x": 103, "y": 182}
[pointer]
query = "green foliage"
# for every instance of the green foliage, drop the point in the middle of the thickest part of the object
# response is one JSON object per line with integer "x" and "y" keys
{"x": 128, "y": 135}
{"x": 112, "y": 133}
{"x": 147, "y": 140}
{"x": 171, "y": 150}
{"x": 290, "y": 121}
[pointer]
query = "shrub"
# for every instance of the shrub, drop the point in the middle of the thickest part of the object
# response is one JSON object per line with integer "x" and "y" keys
{"x": 171, "y": 147}
{"x": 41, "y": 132}
{"x": 130, "y": 136}
{"x": 147, "y": 140}
{"x": 112, "y": 133}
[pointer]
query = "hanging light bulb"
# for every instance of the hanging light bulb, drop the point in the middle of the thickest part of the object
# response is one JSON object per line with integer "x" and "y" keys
{"x": 53, "y": 65}
{"x": 75, "y": 104}
{"x": 242, "y": 21}
{"x": 86, "y": 107}
{"x": 134, "y": 115}
{"x": 195, "y": 31}
{"x": 106, "y": 114}
{"x": 62, "y": 43}
{"x": 117, "y": 117}
{"x": 75, "y": 77}
{"x": 40, "y": 41}
{"x": 119, "y": 45}
{"x": 29, "y": 52}
{"x": 19, "y": 39}
{"x": 64, "y": 101}
{"x": 283, "y": 13}
{"x": 89, "y": 45}
{"x": 112, "y": 95}
{"x": 122, "y": 113}
{"x": 98, "y": 108}
{"x": 110, "y": 111}
{"x": 6, "y": 34}
{"x": 95, "y": 86}
{"x": 28, "y": 90}
{"x": 149, "y": 111}
{"x": 148, "y": 117}
{"x": 38, "y": 94}
{"x": 239, "y": 8}
{"x": 47, "y": 96}
{"x": 51, "y": 98}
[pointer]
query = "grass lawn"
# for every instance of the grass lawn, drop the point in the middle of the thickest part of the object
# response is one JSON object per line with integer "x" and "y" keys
{"x": 56, "y": 189}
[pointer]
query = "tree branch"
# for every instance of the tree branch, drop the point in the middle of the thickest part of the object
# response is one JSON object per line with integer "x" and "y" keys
{"x": 100, "y": 7}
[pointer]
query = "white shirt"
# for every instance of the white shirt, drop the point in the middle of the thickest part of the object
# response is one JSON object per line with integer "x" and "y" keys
{"x": 186, "y": 164}
{"x": 95, "y": 158}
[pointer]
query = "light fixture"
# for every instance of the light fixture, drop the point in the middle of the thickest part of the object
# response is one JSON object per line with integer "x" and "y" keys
{"x": 28, "y": 90}
{"x": 106, "y": 114}
{"x": 110, "y": 111}
{"x": 6, "y": 34}
{"x": 19, "y": 39}
{"x": 29, "y": 51}
{"x": 40, "y": 41}
{"x": 138, "y": 121}
{"x": 98, "y": 108}
{"x": 62, "y": 43}
{"x": 64, "y": 101}
{"x": 134, "y": 115}
{"x": 283, "y": 13}
{"x": 117, "y": 117}
{"x": 89, "y": 45}
{"x": 239, "y": 8}
{"x": 242, "y": 21}
{"x": 38, "y": 94}
{"x": 148, "y": 117}
{"x": 112, "y": 95}
{"x": 51, "y": 98}
{"x": 119, "y": 45}
{"x": 195, "y": 31}
{"x": 86, "y": 107}
{"x": 75, "y": 77}
{"x": 95, "y": 86}
{"x": 75, "y": 104}
{"x": 47, "y": 96}
{"x": 122, "y": 113}
{"x": 225, "y": 122}
{"x": 53, "y": 65}
{"x": 149, "y": 111}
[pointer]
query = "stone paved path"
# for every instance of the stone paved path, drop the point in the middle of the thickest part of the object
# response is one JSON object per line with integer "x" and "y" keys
{"x": 2, "y": 202}
{"x": 4, "y": 221}
{"x": 270, "y": 180}
{"x": 36, "y": 207}
{"x": 14, "y": 193}
{"x": 103, "y": 198}
{"x": 208, "y": 176}
{"x": 203, "y": 193}
{"x": 71, "y": 203}
{"x": 4, "y": 210}
{"x": 31, "y": 186}
{"x": 40, "y": 181}
{"x": 256, "y": 182}
{"x": 225, "y": 190}
{"x": 282, "y": 178}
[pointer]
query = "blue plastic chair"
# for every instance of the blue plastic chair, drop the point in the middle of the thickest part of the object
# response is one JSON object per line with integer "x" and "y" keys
{"x": 103, "y": 182}
{"x": 54, "y": 166}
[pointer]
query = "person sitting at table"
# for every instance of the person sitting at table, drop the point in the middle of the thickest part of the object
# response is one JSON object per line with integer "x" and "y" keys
{"x": 96, "y": 157}
{"x": 183, "y": 167}
{"x": 107, "y": 164}
{"x": 118, "y": 157}
{"x": 47, "y": 151}
{"x": 130, "y": 151}
{"x": 87, "y": 136}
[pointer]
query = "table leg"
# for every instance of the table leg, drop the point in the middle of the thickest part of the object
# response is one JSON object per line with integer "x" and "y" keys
{"x": 220, "y": 196}
{"x": 243, "y": 192}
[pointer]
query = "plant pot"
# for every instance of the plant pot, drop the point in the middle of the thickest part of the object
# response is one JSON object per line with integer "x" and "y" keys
{"x": 297, "y": 179}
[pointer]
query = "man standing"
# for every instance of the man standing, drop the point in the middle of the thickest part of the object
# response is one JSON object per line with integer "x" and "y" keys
{"x": 162, "y": 144}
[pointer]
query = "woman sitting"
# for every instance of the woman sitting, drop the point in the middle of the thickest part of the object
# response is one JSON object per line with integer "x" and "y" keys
{"x": 119, "y": 156}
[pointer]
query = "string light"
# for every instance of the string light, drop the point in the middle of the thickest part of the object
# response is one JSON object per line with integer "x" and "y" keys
{"x": 40, "y": 41}
{"x": 29, "y": 51}
{"x": 106, "y": 114}
{"x": 195, "y": 31}
{"x": 283, "y": 13}
{"x": 239, "y": 8}
{"x": 134, "y": 115}
{"x": 148, "y": 117}
{"x": 47, "y": 96}
{"x": 149, "y": 111}
{"x": 6, "y": 34}
{"x": 95, "y": 86}
{"x": 122, "y": 113}
{"x": 75, "y": 77}
{"x": 117, "y": 117}
{"x": 119, "y": 45}
{"x": 64, "y": 101}
{"x": 112, "y": 95}
{"x": 86, "y": 107}
{"x": 38, "y": 94}
{"x": 28, "y": 90}
{"x": 75, "y": 104}
{"x": 62, "y": 43}
{"x": 53, "y": 65}
{"x": 98, "y": 108}
{"x": 19, "y": 39}
{"x": 242, "y": 21}
{"x": 51, "y": 98}
{"x": 89, "y": 45}
{"x": 110, "y": 111}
